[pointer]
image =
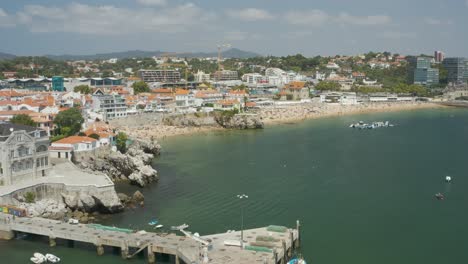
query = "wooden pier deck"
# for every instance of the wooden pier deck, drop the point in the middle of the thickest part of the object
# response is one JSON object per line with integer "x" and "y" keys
{"x": 185, "y": 249}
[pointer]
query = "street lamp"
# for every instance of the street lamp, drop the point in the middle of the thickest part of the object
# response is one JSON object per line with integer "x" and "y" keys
{"x": 242, "y": 196}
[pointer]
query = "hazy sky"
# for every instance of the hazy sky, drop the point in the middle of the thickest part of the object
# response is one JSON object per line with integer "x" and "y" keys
{"x": 278, "y": 27}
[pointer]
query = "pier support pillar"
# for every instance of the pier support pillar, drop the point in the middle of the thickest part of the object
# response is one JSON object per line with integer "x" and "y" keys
{"x": 291, "y": 238}
{"x": 124, "y": 252}
{"x": 100, "y": 250}
{"x": 285, "y": 252}
{"x": 275, "y": 255}
{"x": 177, "y": 261}
{"x": 151, "y": 255}
{"x": 298, "y": 228}
{"x": 7, "y": 234}
{"x": 52, "y": 242}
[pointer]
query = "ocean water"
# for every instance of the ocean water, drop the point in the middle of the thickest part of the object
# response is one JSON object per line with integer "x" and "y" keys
{"x": 362, "y": 196}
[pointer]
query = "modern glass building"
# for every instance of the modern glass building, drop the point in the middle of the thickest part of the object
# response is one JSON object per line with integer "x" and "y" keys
{"x": 57, "y": 84}
{"x": 423, "y": 73}
{"x": 457, "y": 69}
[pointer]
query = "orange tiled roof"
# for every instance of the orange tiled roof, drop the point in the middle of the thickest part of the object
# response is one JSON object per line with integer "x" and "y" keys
{"x": 162, "y": 90}
{"x": 182, "y": 92}
{"x": 227, "y": 102}
{"x": 75, "y": 140}
{"x": 296, "y": 85}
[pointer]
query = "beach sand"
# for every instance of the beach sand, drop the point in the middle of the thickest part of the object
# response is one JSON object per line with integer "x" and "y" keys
{"x": 143, "y": 128}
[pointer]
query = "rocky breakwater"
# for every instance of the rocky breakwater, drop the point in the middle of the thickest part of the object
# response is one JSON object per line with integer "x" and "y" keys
{"x": 134, "y": 165}
{"x": 239, "y": 121}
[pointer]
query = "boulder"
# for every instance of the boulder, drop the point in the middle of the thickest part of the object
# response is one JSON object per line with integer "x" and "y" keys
{"x": 123, "y": 197}
{"x": 138, "y": 196}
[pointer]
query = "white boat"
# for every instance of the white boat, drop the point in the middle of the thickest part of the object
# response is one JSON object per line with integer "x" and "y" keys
{"x": 158, "y": 226}
{"x": 448, "y": 178}
{"x": 52, "y": 258}
{"x": 297, "y": 261}
{"x": 38, "y": 258}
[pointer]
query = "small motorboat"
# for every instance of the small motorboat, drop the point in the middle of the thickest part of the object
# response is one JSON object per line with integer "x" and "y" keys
{"x": 158, "y": 226}
{"x": 439, "y": 196}
{"x": 37, "y": 261}
{"x": 448, "y": 178}
{"x": 52, "y": 258}
{"x": 153, "y": 222}
{"x": 38, "y": 258}
{"x": 297, "y": 261}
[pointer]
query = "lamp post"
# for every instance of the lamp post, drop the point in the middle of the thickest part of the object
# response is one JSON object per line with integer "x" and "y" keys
{"x": 241, "y": 197}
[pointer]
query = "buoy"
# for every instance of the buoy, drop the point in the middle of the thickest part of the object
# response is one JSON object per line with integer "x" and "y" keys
{"x": 448, "y": 178}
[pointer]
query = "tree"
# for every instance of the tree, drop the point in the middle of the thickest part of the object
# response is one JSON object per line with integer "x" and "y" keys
{"x": 121, "y": 142}
{"x": 69, "y": 121}
{"x": 95, "y": 136}
{"x": 140, "y": 87}
{"x": 328, "y": 86}
{"x": 83, "y": 89}
{"x": 23, "y": 119}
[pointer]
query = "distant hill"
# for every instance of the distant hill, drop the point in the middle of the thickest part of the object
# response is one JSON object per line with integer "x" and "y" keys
{"x": 6, "y": 56}
{"x": 231, "y": 53}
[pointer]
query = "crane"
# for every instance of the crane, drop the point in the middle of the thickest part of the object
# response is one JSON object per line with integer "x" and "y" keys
{"x": 220, "y": 46}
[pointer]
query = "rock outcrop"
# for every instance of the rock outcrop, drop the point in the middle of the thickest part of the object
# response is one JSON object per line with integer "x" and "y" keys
{"x": 239, "y": 121}
{"x": 107, "y": 203}
{"x": 47, "y": 208}
{"x": 134, "y": 165}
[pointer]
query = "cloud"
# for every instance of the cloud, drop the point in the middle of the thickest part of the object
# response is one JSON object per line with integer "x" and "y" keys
{"x": 250, "y": 14}
{"x": 396, "y": 35}
{"x": 313, "y": 17}
{"x": 435, "y": 21}
{"x": 5, "y": 19}
{"x": 111, "y": 20}
{"x": 152, "y": 2}
{"x": 317, "y": 17}
{"x": 236, "y": 35}
{"x": 345, "y": 18}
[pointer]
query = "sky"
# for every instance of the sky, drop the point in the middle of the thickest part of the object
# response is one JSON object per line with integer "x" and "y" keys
{"x": 268, "y": 27}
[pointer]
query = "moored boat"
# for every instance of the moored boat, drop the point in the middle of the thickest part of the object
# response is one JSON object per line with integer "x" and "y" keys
{"x": 297, "y": 261}
{"x": 52, "y": 258}
{"x": 439, "y": 196}
{"x": 38, "y": 258}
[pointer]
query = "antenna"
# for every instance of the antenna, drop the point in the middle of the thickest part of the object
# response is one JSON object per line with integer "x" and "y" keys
{"x": 220, "y": 46}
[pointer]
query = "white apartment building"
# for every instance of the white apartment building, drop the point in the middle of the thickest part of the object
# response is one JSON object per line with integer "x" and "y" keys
{"x": 201, "y": 76}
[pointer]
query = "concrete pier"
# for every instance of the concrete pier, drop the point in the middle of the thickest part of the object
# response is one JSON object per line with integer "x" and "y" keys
{"x": 275, "y": 249}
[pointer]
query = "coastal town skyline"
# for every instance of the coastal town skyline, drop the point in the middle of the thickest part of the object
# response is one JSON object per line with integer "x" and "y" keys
{"x": 321, "y": 28}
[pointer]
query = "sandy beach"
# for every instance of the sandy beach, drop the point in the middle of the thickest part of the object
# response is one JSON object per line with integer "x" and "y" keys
{"x": 147, "y": 127}
{"x": 299, "y": 112}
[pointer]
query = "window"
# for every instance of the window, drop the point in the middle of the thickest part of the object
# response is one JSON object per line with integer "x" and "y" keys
{"x": 41, "y": 148}
{"x": 38, "y": 162}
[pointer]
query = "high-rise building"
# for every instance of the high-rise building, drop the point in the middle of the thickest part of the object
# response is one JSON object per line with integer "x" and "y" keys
{"x": 225, "y": 75}
{"x": 439, "y": 56}
{"x": 422, "y": 72}
{"x": 457, "y": 69}
{"x": 164, "y": 76}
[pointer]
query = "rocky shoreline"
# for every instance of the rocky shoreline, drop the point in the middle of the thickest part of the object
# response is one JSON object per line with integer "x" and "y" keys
{"x": 134, "y": 165}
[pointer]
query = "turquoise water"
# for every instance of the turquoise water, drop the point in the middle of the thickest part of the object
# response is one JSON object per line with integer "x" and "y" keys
{"x": 362, "y": 196}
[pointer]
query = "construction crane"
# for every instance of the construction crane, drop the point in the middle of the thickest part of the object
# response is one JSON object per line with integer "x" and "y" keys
{"x": 220, "y": 46}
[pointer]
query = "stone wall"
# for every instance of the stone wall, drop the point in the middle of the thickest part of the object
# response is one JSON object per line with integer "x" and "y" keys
{"x": 99, "y": 153}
